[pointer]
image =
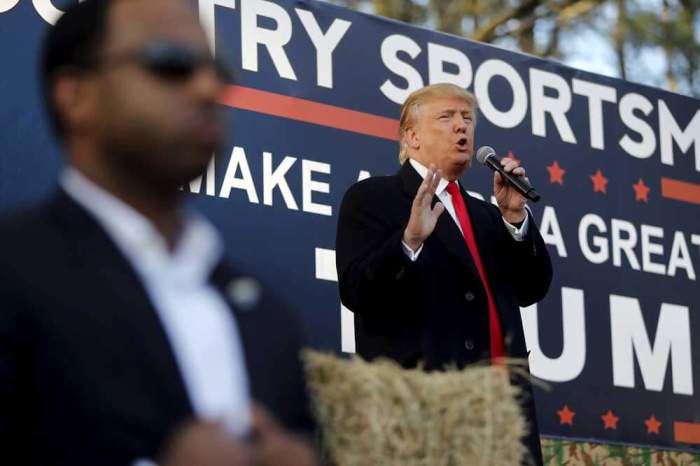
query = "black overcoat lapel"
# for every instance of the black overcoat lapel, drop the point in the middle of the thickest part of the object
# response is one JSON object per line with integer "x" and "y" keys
{"x": 126, "y": 310}
{"x": 446, "y": 231}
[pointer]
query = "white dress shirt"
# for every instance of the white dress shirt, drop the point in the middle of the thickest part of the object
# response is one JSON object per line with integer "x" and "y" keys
{"x": 441, "y": 192}
{"x": 200, "y": 326}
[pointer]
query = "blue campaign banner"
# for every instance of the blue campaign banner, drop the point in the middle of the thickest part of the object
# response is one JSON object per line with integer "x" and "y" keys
{"x": 314, "y": 108}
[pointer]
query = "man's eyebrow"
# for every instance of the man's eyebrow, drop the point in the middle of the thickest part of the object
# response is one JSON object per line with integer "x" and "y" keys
{"x": 452, "y": 111}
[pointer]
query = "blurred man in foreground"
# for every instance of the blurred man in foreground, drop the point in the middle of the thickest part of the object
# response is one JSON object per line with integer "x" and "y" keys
{"x": 432, "y": 287}
{"x": 124, "y": 337}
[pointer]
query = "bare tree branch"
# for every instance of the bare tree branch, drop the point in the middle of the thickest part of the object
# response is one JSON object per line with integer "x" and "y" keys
{"x": 486, "y": 33}
{"x": 538, "y": 26}
{"x": 619, "y": 37}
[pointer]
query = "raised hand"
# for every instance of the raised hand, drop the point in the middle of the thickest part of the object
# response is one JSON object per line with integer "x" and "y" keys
{"x": 424, "y": 217}
{"x": 510, "y": 201}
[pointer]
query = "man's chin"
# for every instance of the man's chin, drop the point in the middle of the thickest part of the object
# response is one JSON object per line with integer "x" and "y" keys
{"x": 186, "y": 176}
{"x": 197, "y": 159}
{"x": 186, "y": 172}
{"x": 462, "y": 162}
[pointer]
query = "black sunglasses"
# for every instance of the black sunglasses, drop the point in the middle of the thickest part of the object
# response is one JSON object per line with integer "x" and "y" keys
{"x": 171, "y": 61}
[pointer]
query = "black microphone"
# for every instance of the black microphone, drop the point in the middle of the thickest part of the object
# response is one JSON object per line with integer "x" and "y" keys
{"x": 487, "y": 156}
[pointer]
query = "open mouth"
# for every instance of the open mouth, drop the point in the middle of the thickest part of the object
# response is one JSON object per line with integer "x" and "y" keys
{"x": 462, "y": 144}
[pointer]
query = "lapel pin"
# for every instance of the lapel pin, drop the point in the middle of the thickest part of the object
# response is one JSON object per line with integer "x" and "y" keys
{"x": 244, "y": 293}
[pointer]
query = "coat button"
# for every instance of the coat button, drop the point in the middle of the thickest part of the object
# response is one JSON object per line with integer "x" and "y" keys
{"x": 469, "y": 344}
{"x": 469, "y": 296}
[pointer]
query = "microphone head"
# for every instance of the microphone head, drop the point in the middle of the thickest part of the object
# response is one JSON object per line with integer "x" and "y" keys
{"x": 484, "y": 153}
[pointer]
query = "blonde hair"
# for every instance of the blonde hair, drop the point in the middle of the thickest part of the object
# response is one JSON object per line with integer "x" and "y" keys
{"x": 409, "y": 109}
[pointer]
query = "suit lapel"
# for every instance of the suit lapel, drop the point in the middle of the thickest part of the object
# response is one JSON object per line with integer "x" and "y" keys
{"x": 410, "y": 179}
{"x": 223, "y": 278}
{"x": 446, "y": 231}
{"x": 125, "y": 307}
{"x": 246, "y": 312}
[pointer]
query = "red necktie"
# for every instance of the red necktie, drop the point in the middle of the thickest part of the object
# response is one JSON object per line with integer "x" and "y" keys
{"x": 497, "y": 347}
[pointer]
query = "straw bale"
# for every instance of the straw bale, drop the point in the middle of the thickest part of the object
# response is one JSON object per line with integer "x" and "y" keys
{"x": 379, "y": 413}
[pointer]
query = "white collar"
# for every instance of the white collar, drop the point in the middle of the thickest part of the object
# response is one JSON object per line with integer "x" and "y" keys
{"x": 423, "y": 172}
{"x": 198, "y": 249}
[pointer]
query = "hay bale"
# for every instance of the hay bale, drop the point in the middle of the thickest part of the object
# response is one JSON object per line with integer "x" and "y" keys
{"x": 381, "y": 414}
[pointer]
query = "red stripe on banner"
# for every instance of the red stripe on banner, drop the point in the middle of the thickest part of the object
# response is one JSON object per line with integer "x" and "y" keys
{"x": 686, "y": 432}
{"x": 680, "y": 190}
{"x": 308, "y": 111}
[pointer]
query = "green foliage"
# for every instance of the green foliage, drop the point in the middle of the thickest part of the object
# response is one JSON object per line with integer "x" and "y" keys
{"x": 568, "y": 453}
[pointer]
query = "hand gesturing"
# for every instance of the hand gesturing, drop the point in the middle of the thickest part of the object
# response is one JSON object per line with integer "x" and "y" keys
{"x": 424, "y": 217}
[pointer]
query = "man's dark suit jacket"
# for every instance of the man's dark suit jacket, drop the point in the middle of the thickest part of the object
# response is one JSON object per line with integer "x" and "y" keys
{"x": 87, "y": 376}
{"x": 433, "y": 310}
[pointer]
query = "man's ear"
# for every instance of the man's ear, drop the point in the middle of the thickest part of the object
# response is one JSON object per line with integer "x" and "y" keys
{"x": 74, "y": 96}
{"x": 412, "y": 138}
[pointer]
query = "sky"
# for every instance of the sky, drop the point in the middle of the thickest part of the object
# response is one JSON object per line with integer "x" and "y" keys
{"x": 589, "y": 49}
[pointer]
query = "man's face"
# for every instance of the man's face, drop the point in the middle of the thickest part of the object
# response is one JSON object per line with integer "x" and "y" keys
{"x": 158, "y": 126}
{"x": 443, "y": 134}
